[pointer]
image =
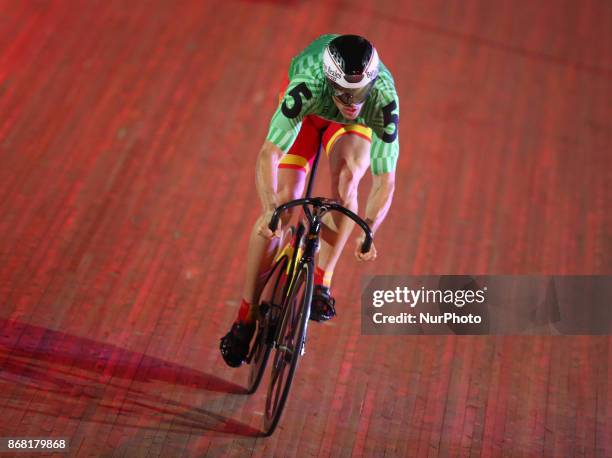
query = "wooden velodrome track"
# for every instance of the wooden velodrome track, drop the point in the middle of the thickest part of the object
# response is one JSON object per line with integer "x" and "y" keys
{"x": 128, "y": 135}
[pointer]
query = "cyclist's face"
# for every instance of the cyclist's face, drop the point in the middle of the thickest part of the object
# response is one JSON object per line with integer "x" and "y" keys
{"x": 349, "y": 101}
{"x": 348, "y": 111}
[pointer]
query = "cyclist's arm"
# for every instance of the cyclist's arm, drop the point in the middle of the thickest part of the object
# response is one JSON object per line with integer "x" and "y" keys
{"x": 266, "y": 175}
{"x": 383, "y": 159}
{"x": 380, "y": 199}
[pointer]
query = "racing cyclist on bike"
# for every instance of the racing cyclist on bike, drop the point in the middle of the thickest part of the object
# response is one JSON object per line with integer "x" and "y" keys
{"x": 342, "y": 98}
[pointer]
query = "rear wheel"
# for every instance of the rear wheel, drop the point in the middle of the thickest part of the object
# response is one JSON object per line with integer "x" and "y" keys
{"x": 290, "y": 340}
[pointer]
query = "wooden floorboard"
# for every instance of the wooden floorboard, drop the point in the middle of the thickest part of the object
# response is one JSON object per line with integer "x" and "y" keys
{"x": 128, "y": 138}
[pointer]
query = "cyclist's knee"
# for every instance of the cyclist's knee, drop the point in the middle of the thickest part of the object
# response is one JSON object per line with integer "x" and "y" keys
{"x": 348, "y": 187}
{"x": 287, "y": 192}
{"x": 290, "y": 190}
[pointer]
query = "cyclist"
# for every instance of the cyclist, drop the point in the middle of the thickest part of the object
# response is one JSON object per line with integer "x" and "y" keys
{"x": 342, "y": 98}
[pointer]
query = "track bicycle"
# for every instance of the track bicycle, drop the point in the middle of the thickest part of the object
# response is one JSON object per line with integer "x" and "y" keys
{"x": 285, "y": 299}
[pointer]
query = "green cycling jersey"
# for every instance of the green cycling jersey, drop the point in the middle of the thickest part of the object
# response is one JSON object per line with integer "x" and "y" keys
{"x": 309, "y": 94}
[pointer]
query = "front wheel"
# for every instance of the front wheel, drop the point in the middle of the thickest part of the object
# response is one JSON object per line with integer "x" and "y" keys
{"x": 269, "y": 306}
{"x": 289, "y": 344}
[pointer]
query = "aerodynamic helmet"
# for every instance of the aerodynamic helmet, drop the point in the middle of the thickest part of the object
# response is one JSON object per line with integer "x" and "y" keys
{"x": 351, "y": 67}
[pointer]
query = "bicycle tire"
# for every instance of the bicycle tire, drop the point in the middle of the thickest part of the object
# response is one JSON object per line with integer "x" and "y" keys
{"x": 297, "y": 315}
{"x": 270, "y": 299}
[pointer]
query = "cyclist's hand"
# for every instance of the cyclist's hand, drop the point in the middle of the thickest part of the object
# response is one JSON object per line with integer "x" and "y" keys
{"x": 262, "y": 226}
{"x": 369, "y": 256}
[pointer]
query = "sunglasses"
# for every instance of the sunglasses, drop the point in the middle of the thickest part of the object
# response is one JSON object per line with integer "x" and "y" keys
{"x": 350, "y": 96}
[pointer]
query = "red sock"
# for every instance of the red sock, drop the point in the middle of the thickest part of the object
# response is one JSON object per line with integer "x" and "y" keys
{"x": 322, "y": 277}
{"x": 243, "y": 312}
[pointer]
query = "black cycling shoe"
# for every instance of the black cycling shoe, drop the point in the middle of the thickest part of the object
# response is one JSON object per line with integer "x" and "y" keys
{"x": 322, "y": 307}
{"x": 234, "y": 345}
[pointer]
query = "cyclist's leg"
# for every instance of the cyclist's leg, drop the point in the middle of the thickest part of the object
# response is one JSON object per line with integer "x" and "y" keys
{"x": 260, "y": 256}
{"x": 290, "y": 184}
{"x": 261, "y": 251}
{"x": 348, "y": 149}
{"x": 349, "y": 158}
{"x": 292, "y": 171}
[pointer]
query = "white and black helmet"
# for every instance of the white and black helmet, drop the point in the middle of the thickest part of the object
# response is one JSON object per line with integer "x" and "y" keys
{"x": 351, "y": 67}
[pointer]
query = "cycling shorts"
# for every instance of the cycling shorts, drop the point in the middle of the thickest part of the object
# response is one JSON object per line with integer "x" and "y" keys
{"x": 316, "y": 132}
